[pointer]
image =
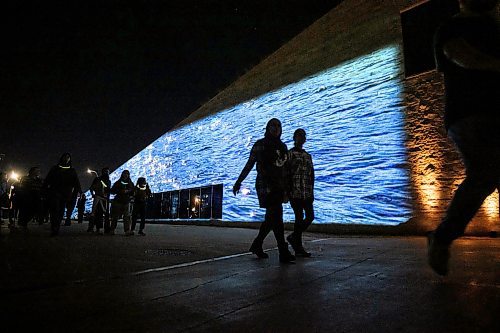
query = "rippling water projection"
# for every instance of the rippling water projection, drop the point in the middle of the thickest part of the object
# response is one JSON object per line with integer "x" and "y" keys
{"x": 353, "y": 116}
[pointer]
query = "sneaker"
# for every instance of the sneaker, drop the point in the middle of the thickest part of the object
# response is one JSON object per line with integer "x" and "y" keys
{"x": 129, "y": 233}
{"x": 258, "y": 251}
{"x": 99, "y": 232}
{"x": 437, "y": 255}
{"x": 141, "y": 233}
{"x": 111, "y": 232}
{"x": 90, "y": 230}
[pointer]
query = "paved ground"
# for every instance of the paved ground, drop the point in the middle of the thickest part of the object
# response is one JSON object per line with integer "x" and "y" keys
{"x": 199, "y": 279}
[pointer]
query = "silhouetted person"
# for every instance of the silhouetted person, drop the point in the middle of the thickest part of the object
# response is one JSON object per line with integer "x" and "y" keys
{"x": 270, "y": 155}
{"x": 300, "y": 176}
{"x": 28, "y": 193}
{"x": 467, "y": 51}
{"x": 100, "y": 190}
{"x": 13, "y": 206}
{"x": 141, "y": 195}
{"x": 61, "y": 184}
{"x": 123, "y": 189}
{"x": 80, "y": 205}
{"x": 4, "y": 195}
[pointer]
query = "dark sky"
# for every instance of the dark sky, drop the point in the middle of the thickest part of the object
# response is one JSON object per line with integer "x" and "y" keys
{"x": 104, "y": 79}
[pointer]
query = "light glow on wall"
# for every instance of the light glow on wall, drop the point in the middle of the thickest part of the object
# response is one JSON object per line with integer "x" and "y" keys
{"x": 353, "y": 116}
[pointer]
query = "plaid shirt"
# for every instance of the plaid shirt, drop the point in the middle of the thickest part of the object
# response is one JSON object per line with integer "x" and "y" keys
{"x": 300, "y": 171}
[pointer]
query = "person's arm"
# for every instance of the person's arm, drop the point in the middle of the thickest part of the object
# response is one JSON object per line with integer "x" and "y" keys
{"x": 47, "y": 182}
{"x": 114, "y": 188}
{"x": 246, "y": 170}
{"x": 148, "y": 191}
{"x": 93, "y": 187}
{"x": 464, "y": 55}
{"x": 77, "y": 188}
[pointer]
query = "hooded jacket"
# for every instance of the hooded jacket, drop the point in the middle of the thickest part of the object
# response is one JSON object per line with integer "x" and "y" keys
{"x": 270, "y": 155}
{"x": 62, "y": 181}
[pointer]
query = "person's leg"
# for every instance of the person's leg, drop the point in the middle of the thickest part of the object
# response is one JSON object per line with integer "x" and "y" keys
{"x": 98, "y": 217}
{"x": 81, "y": 210}
{"x": 142, "y": 212}
{"x": 135, "y": 212}
{"x": 265, "y": 228}
{"x": 69, "y": 211}
{"x": 107, "y": 224}
{"x": 57, "y": 207}
{"x": 298, "y": 211}
{"x": 93, "y": 214}
{"x": 276, "y": 216}
{"x": 301, "y": 224}
{"x": 478, "y": 141}
{"x": 24, "y": 214}
{"x": 126, "y": 219}
{"x": 116, "y": 211}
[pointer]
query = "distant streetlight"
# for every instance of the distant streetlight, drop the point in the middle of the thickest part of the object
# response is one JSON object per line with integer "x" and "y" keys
{"x": 90, "y": 171}
{"x": 14, "y": 176}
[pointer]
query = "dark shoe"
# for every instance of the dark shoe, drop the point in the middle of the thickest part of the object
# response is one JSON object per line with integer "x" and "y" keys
{"x": 90, "y": 230}
{"x": 437, "y": 255}
{"x": 258, "y": 251}
{"x": 287, "y": 258}
{"x": 293, "y": 242}
{"x": 67, "y": 223}
{"x": 302, "y": 253}
{"x": 285, "y": 255}
{"x": 141, "y": 233}
{"x": 297, "y": 246}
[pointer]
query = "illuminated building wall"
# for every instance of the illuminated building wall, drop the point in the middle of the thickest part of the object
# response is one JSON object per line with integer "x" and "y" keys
{"x": 377, "y": 139}
{"x": 354, "y": 120}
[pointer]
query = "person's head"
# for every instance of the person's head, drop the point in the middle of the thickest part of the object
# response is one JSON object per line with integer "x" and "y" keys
{"x": 105, "y": 171}
{"x": 273, "y": 128}
{"x": 478, "y": 6}
{"x": 125, "y": 175}
{"x": 299, "y": 137}
{"x": 34, "y": 172}
{"x": 141, "y": 181}
{"x": 65, "y": 159}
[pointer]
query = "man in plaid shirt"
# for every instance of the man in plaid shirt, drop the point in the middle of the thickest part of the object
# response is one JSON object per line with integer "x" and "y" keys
{"x": 300, "y": 190}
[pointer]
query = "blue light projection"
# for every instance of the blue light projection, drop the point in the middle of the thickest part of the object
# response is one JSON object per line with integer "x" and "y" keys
{"x": 353, "y": 115}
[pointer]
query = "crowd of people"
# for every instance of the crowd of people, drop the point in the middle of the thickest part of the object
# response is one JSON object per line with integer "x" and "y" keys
{"x": 467, "y": 51}
{"x": 55, "y": 198}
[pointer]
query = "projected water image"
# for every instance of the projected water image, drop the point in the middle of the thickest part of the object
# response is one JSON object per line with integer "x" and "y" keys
{"x": 353, "y": 116}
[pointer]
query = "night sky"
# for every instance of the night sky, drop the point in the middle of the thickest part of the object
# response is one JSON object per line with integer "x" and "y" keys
{"x": 104, "y": 79}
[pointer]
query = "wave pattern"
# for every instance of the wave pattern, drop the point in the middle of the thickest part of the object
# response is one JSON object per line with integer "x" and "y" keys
{"x": 353, "y": 115}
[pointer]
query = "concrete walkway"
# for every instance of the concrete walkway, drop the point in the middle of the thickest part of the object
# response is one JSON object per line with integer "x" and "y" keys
{"x": 199, "y": 279}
